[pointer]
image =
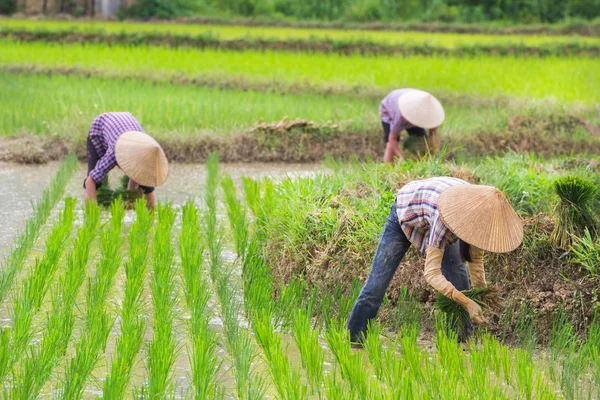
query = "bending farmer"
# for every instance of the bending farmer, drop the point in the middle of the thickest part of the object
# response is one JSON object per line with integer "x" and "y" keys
{"x": 452, "y": 222}
{"x": 411, "y": 110}
{"x": 118, "y": 139}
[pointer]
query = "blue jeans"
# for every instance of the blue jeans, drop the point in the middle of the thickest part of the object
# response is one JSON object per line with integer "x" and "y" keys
{"x": 391, "y": 249}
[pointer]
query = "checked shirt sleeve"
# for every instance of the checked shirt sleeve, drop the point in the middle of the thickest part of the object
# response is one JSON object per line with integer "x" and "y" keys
{"x": 105, "y": 164}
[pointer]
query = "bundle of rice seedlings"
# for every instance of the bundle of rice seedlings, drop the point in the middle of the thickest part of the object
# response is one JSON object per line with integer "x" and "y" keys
{"x": 573, "y": 214}
{"x": 106, "y": 195}
{"x": 487, "y": 298}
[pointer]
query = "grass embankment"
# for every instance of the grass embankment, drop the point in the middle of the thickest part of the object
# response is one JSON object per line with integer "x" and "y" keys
{"x": 53, "y": 116}
{"x": 313, "y": 40}
{"x": 325, "y": 230}
{"x": 562, "y": 79}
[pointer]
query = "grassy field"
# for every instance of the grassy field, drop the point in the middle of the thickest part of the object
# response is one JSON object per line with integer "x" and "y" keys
{"x": 224, "y": 32}
{"x": 563, "y": 80}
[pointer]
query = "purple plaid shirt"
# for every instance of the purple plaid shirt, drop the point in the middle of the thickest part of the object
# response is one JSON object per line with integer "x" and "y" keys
{"x": 104, "y": 132}
{"x": 417, "y": 209}
{"x": 390, "y": 113}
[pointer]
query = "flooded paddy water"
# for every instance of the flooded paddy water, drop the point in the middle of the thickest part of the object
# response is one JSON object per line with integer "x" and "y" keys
{"x": 22, "y": 185}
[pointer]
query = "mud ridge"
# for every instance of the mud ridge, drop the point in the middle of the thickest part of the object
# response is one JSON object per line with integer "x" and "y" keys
{"x": 305, "y": 141}
{"x": 209, "y": 41}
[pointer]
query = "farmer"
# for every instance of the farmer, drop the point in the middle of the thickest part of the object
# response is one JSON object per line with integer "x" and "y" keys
{"x": 451, "y": 222}
{"x": 118, "y": 139}
{"x": 411, "y": 110}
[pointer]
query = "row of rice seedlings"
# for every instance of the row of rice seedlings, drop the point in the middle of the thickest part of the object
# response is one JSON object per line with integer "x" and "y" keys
{"x": 30, "y": 296}
{"x": 294, "y": 35}
{"x": 311, "y": 352}
{"x": 163, "y": 350}
{"x": 258, "y": 290}
{"x": 41, "y": 211}
{"x": 203, "y": 347}
{"x": 352, "y": 365}
{"x": 34, "y": 372}
{"x": 238, "y": 343}
{"x": 98, "y": 322}
{"x": 133, "y": 321}
{"x": 236, "y": 213}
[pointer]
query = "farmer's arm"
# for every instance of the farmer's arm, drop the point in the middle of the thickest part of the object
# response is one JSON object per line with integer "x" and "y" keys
{"x": 476, "y": 271}
{"x": 433, "y": 276}
{"x": 90, "y": 189}
{"x": 96, "y": 175}
{"x": 150, "y": 200}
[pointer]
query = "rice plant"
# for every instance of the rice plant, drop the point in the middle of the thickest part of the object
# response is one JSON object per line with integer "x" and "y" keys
{"x": 311, "y": 352}
{"x": 573, "y": 213}
{"x": 98, "y": 322}
{"x": 163, "y": 350}
{"x": 43, "y": 357}
{"x": 106, "y": 194}
{"x": 239, "y": 345}
{"x": 133, "y": 322}
{"x": 41, "y": 211}
{"x": 236, "y": 213}
{"x": 31, "y": 294}
{"x": 204, "y": 362}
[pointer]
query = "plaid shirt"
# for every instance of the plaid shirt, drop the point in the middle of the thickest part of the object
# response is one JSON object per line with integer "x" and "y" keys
{"x": 417, "y": 209}
{"x": 390, "y": 113}
{"x": 104, "y": 132}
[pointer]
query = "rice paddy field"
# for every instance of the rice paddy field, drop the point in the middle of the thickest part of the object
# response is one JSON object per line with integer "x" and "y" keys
{"x": 240, "y": 282}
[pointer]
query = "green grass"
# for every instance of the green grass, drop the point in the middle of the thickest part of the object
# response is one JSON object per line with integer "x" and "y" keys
{"x": 565, "y": 80}
{"x": 225, "y": 32}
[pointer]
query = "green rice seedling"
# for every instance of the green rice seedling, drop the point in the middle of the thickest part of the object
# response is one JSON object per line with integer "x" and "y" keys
{"x": 586, "y": 253}
{"x": 563, "y": 339}
{"x": 411, "y": 353}
{"x": 335, "y": 388}
{"x": 163, "y": 350}
{"x": 133, "y": 323}
{"x": 506, "y": 360}
{"x": 203, "y": 349}
{"x": 524, "y": 332}
{"x": 313, "y": 356}
{"x": 34, "y": 372}
{"x": 352, "y": 366}
{"x": 450, "y": 353}
{"x": 286, "y": 379}
{"x": 492, "y": 348}
{"x": 30, "y": 296}
{"x": 408, "y": 311}
{"x": 41, "y": 211}
{"x": 97, "y": 322}
{"x": 573, "y": 214}
{"x": 105, "y": 195}
{"x": 524, "y": 373}
{"x": 290, "y": 299}
{"x": 249, "y": 383}
{"x": 236, "y": 213}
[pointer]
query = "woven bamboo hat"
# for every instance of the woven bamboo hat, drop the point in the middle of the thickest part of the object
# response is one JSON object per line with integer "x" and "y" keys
{"x": 421, "y": 109}
{"x": 141, "y": 158}
{"x": 481, "y": 216}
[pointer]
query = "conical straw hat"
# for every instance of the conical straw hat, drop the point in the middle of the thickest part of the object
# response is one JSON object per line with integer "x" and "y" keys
{"x": 141, "y": 158}
{"x": 421, "y": 109}
{"x": 481, "y": 216}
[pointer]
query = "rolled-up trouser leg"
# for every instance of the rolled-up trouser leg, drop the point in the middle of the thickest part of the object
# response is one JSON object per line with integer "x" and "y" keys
{"x": 392, "y": 247}
{"x": 455, "y": 271}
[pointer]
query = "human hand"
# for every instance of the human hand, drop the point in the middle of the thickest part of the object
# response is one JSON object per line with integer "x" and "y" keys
{"x": 476, "y": 313}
